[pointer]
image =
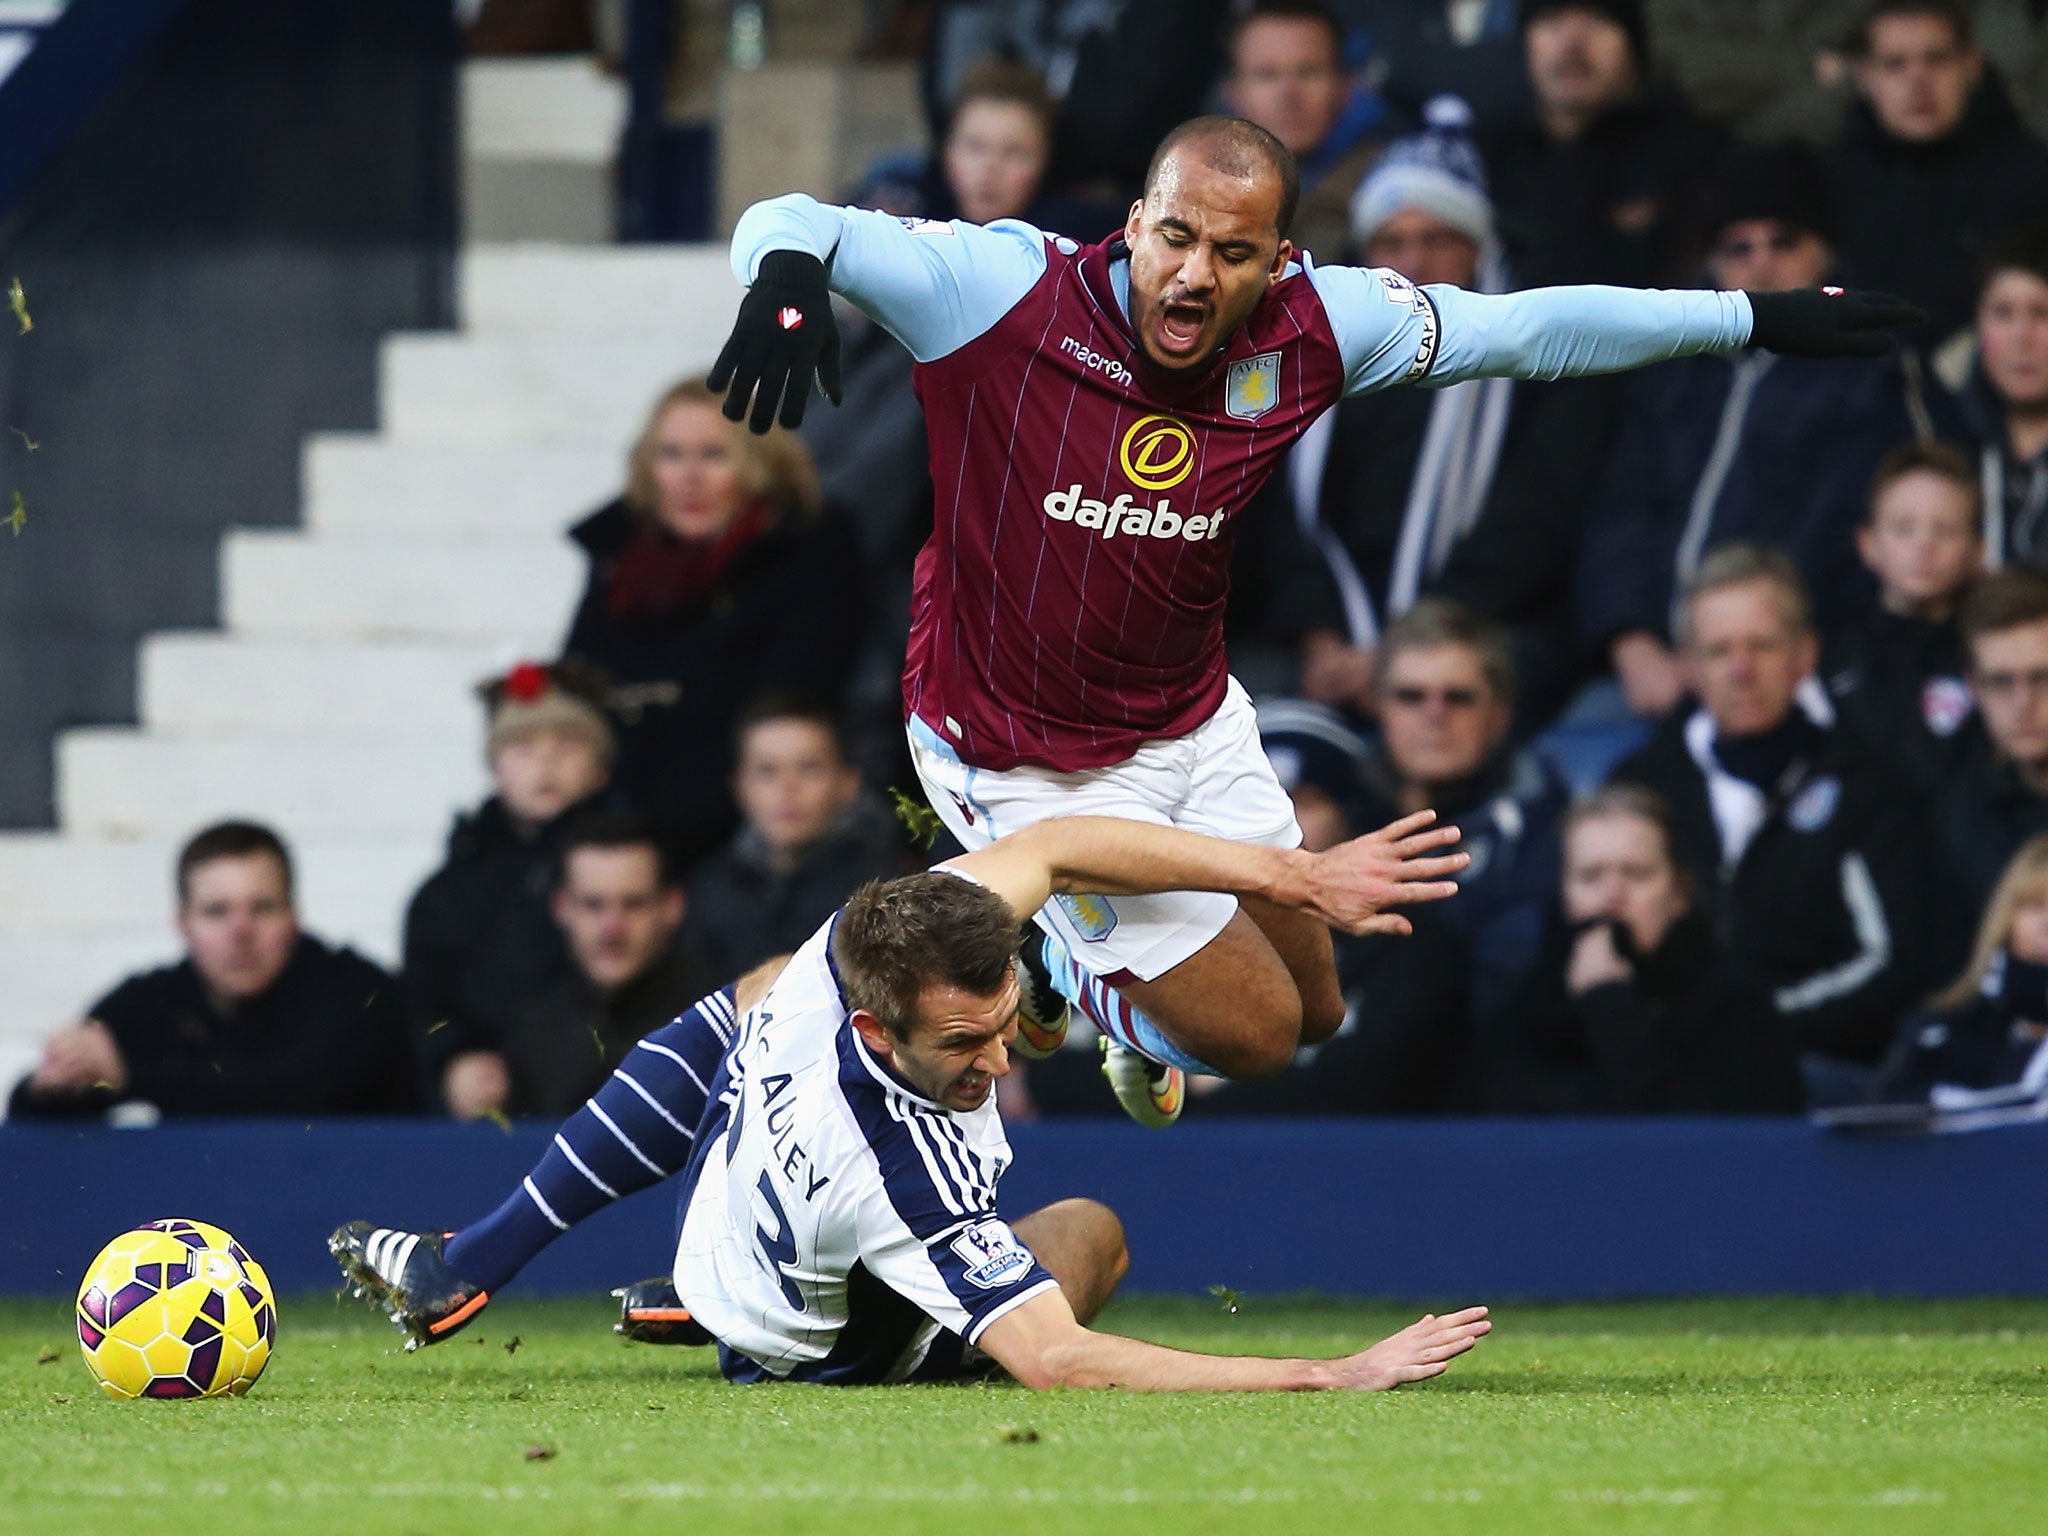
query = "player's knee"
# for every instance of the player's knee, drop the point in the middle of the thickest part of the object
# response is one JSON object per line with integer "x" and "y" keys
{"x": 1321, "y": 1018}
{"x": 1260, "y": 1051}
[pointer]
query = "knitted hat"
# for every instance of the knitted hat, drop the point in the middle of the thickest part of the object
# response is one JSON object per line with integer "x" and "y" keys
{"x": 1786, "y": 182}
{"x": 533, "y": 698}
{"x": 1311, "y": 747}
{"x": 1625, "y": 14}
{"x": 1436, "y": 171}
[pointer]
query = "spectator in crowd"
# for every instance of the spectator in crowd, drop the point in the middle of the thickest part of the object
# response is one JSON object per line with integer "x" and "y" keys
{"x": 2005, "y": 399}
{"x": 259, "y": 1018}
{"x": 1932, "y": 161}
{"x": 1585, "y": 181}
{"x": 717, "y": 576}
{"x": 1446, "y": 690}
{"x": 1981, "y": 1040}
{"x": 810, "y": 838}
{"x": 2000, "y": 799}
{"x": 1287, "y": 75}
{"x": 1631, "y": 1008}
{"x": 1470, "y": 492}
{"x": 1807, "y": 848}
{"x": 1747, "y": 446}
{"x": 1401, "y": 1046}
{"x": 1422, "y": 49}
{"x": 619, "y": 906}
{"x": 479, "y": 939}
{"x": 1897, "y": 676}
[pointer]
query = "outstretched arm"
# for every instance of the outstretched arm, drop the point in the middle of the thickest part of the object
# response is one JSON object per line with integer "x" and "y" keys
{"x": 1348, "y": 887}
{"x": 1041, "y": 1344}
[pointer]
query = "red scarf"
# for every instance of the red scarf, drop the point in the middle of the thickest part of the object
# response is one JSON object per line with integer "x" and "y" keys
{"x": 658, "y": 576}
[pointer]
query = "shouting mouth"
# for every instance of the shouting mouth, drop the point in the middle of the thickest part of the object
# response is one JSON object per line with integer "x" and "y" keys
{"x": 1180, "y": 328}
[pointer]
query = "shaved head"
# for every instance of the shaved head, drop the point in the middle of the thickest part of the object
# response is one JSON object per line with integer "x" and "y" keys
{"x": 1237, "y": 148}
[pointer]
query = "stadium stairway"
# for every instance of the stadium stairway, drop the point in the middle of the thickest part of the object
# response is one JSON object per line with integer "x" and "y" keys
{"x": 335, "y": 700}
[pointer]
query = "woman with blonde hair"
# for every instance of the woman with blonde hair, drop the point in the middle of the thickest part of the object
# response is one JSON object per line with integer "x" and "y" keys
{"x": 717, "y": 576}
{"x": 1988, "y": 1029}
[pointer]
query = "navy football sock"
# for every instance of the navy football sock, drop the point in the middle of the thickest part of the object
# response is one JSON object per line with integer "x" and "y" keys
{"x": 633, "y": 1133}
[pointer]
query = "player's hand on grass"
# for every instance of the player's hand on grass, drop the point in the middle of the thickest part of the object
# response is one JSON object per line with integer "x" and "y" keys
{"x": 1351, "y": 885}
{"x": 784, "y": 339}
{"x": 1423, "y": 1349}
{"x": 1829, "y": 322}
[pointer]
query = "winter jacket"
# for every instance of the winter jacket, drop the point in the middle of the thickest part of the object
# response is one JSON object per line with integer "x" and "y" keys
{"x": 1828, "y": 901}
{"x": 561, "y": 1043}
{"x": 1899, "y": 687}
{"x": 1984, "y": 812}
{"x": 1798, "y": 440}
{"x": 1914, "y": 218}
{"x": 1687, "y": 1034}
{"x": 784, "y": 616}
{"x": 327, "y": 1037}
{"x": 480, "y": 934}
{"x": 2014, "y": 491}
{"x": 743, "y": 910}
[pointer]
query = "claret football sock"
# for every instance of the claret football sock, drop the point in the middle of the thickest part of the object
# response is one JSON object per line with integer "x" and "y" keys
{"x": 634, "y": 1132}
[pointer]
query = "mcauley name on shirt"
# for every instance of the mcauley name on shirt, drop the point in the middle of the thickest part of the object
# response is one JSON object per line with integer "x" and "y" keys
{"x": 1124, "y": 516}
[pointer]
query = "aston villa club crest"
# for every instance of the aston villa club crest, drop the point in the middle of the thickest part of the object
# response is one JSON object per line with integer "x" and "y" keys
{"x": 1253, "y": 387}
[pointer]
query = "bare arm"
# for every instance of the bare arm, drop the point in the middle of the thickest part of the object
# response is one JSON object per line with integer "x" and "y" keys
{"x": 1348, "y": 887}
{"x": 1042, "y": 1345}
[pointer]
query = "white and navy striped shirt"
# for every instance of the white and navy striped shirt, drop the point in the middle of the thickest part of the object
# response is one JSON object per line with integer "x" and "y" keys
{"x": 826, "y": 1193}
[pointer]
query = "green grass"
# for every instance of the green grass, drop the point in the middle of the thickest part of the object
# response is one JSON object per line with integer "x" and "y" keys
{"x": 1759, "y": 1417}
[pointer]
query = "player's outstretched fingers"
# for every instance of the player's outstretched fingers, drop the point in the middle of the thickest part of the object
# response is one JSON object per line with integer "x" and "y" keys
{"x": 1423, "y": 842}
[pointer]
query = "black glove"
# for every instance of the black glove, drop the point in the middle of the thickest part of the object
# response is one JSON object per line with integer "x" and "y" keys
{"x": 1829, "y": 322}
{"x": 785, "y": 335}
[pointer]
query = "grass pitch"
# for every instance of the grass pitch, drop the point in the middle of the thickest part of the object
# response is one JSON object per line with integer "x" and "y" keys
{"x": 1758, "y": 1417}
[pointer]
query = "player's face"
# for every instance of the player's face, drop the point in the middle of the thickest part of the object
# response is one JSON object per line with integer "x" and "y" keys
{"x": 1286, "y": 77}
{"x": 2009, "y": 675}
{"x": 1618, "y": 867}
{"x": 1440, "y": 717}
{"x": 995, "y": 157}
{"x": 1579, "y": 60}
{"x": 238, "y": 924}
{"x": 616, "y": 913}
{"x": 1424, "y": 249}
{"x": 960, "y": 1045}
{"x": 540, "y": 774}
{"x": 1205, "y": 247}
{"x": 2012, "y": 338}
{"x": 1918, "y": 77}
{"x": 792, "y": 783}
{"x": 1921, "y": 542}
{"x": 1747, "y": 657}
{"x": 696, "y": 471}
{"x": 1768, "y": 256}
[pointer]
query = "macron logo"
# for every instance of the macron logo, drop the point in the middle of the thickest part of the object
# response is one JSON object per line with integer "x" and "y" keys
{"x": 1088, "y": 357}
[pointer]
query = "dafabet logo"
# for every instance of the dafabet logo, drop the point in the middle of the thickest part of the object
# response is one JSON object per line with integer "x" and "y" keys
{"x": 1157, "y": 453}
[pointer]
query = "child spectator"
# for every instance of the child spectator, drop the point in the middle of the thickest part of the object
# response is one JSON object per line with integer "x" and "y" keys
{"x": 479, "y": 939}
{"x": 1632, "y": 1008}
{"x": 259, "y": 1018}
{"x": 810, "y": 838}
{"x": 619, "y": 906}
{"x": 718, "y": 575}
{"x": 2005, "y": 399}
{"x": 1898, "y": 677}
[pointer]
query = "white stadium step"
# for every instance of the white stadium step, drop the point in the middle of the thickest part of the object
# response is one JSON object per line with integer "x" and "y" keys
{"x": 362, "y": 484}
{"x": 116, "y": 783}
{"x": 52, "y": 978}
{"x": 683, "y": 293}
{"x": 547, "y": 109}
{"x": 522, "y": 592}
{"x": 211, "y": 682}
{"x": 528, "y": 389}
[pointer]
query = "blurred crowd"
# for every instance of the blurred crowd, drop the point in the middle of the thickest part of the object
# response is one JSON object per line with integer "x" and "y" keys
{"x": 1733, "y": 671}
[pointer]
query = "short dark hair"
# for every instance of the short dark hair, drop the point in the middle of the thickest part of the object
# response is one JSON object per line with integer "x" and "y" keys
{"x": 1951, "y": 12}
{"x": 618, "y": 829}
{"x": 1235, "y": 146}
{"x": 808, "y": 708}
{"x": 1737, "y": 565}
{"x": 896, "y": 937}
{"x": 2022, "y": 248}
{"x": 1930, "y": 458}
{"x": 2000, "y": 601}
{"x": 1285, "y": 10}
{"x": 1438, "y": 621}
{"x": 1016, "y": 85}
{"x": 230, "y": 840}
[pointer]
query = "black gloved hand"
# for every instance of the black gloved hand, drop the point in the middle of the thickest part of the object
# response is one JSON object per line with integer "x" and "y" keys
{"x": 1829, "y": 322}
{"x": 784, "y": 337}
